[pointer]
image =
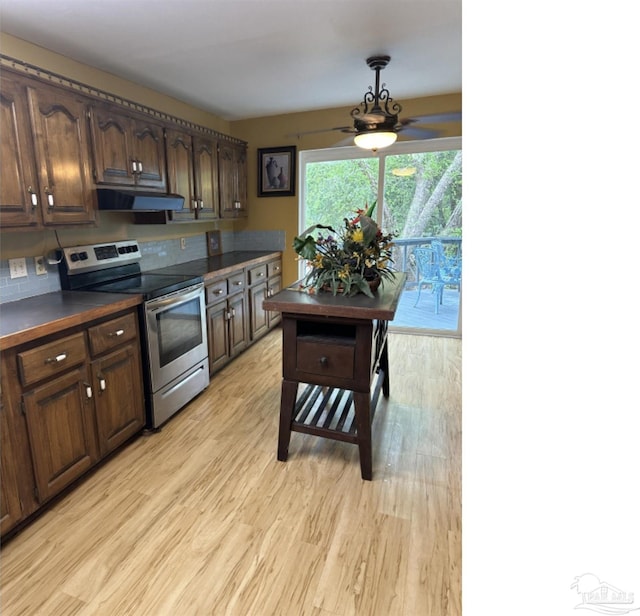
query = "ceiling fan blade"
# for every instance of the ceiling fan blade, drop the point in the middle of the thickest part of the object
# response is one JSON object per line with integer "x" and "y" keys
{"x": 418, "y": 133}
{"x": 343, "y": 142}
{"x": 434, "y": 118}
{"x": 344, "y": 129}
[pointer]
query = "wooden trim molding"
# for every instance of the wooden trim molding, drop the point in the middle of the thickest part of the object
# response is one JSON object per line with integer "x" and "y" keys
{"x": 59, "y": 80}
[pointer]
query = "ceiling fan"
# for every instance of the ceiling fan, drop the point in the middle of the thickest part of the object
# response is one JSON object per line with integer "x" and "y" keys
{"x": 375, "y": 120}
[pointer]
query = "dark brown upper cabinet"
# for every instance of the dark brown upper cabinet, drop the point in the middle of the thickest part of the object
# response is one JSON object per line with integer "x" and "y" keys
{"x": 46, "y": 172}
{"x": 128, "y": 150}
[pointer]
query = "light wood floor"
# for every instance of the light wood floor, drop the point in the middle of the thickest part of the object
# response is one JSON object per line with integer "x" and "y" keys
{"x": 202, "y": 519}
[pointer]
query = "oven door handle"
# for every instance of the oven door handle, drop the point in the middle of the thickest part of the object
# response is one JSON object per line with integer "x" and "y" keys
{"x": 175, "y": 299}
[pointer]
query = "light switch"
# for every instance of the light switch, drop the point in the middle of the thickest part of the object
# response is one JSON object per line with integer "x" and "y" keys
{"x": 18, "y": 267}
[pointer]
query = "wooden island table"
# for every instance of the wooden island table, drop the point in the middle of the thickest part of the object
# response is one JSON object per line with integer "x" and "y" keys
{"x": 336, "y": 347}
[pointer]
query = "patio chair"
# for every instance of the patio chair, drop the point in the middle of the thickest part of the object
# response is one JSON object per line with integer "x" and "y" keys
{"x": 450, "y": 265}
{"x": 428, "y": 273}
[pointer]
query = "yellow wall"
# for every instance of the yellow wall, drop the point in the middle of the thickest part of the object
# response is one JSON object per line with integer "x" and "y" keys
{"x": 272, "y": 213}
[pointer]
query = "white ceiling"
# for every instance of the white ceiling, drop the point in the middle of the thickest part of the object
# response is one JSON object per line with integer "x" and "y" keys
{"x": 250, "y": 58}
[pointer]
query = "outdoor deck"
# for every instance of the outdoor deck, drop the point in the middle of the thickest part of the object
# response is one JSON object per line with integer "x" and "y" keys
{"x": 423, "y": 316}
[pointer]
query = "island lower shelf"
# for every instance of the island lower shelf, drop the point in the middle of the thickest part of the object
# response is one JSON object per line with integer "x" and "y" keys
{"x": 330, "y": 412}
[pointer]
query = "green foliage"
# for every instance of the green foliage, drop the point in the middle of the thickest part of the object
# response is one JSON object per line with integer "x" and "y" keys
{"x": 335, "y": 187}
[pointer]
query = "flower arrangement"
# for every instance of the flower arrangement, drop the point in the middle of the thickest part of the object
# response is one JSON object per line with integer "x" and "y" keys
{"x": 354, "y": 260}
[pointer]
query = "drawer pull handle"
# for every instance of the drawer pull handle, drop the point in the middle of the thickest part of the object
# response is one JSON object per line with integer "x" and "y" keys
{"x": 260, "y": 274}
{"x": 57, "y": 359}
{"x": 118, "y": 332}
{"x": 102, "y": 382}
{"x": 88, "y": 390}
{"x": 238, "y": 283}
{"x": 324, "y": 362}
{"x": 218, "y": 291}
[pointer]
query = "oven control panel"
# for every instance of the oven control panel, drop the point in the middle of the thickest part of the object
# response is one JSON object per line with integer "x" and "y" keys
{"x": 100, "y": 256}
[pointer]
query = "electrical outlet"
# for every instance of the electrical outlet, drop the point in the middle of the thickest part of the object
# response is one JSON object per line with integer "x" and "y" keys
{"x": 41, "y": 268}
{"x": 18, "y": 267}
{"x": 183, "y": 243}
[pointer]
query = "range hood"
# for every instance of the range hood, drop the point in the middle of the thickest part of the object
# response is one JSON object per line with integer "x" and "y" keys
{"x": 118, "y": 200}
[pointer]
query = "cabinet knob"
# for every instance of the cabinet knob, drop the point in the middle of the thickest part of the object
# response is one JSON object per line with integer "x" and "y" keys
{"x": 88, "y": 390}
{"x": 102, "y": 383}
{"x": 134, "y": 166}
{"x": 324, "y": 362}
{"x": 118, "y": 332}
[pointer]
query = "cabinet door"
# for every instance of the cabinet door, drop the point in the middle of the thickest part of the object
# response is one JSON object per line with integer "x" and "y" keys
{"x": 232, "y": 161}
{"x": 205, "y": 163}
{"x": 111, "y": 147}
{"x": 19, "y": 200}
{"x": 180, "y": 179}
{"x": 10, "y": 507}
{"x": 258, "y": 315}
{"x": 273, "y": 286}
{"x": 58, "y": 119}
{"x": 238, "y": 334}
{"x": 117, "y": 386}
{"x": 148, "y": 149}
{"x": 218, "y": 333}
{"x": 61, "y": 431}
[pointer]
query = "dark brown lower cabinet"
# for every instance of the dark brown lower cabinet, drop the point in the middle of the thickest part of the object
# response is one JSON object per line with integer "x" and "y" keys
{"x": 61, "y": 432}
{"x": 10, "y": 503}
{"x": 69, "y": 399}
{"x": 226, "y": 321}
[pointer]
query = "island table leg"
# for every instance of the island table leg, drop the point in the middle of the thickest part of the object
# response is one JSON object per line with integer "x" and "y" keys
{"x": 362, "y": 402}
{"x": 287, "y": 404}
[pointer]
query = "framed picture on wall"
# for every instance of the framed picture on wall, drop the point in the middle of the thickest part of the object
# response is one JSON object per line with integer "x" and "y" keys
{"x": 214, "y": 243}
{"x": 277, "y": 171}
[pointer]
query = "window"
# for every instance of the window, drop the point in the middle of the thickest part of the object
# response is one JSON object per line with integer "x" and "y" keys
{"x": 419, "y": 184}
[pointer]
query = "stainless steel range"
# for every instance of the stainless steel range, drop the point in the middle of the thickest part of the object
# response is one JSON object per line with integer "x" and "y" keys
{"x": 173, "y": 323}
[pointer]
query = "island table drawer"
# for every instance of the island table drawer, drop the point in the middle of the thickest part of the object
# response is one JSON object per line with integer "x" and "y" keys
{"x": 322, "y": 358}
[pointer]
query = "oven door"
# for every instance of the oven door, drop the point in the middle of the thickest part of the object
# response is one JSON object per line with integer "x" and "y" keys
{"x": 176, "y": 333}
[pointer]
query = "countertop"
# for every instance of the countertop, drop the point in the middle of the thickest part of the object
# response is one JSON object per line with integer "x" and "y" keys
{"x": 28, "y": 319}
{"x": 213, "y": 267}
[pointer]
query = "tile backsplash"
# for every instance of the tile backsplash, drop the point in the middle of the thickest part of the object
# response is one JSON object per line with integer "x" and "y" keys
{"x": 155, "y": 254}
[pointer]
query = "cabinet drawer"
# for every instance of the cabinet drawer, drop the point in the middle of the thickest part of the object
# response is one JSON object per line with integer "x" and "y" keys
{"x": 274, "y": 268}
{"x": 325, "y": 358}
{"x": 216, "y": 290}
{"x": 50, "y": 359}
{"x": 111, "y": 334}
{"x": 236, "y": 283}
{"x": 256, "y": 274}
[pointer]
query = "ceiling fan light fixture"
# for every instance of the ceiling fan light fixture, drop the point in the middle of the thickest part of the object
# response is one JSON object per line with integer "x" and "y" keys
{"x": 375, "y": 140}
{"x": 376, "y": 118}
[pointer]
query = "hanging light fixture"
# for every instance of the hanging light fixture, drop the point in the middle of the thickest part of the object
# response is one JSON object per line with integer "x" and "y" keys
{"x": 376, "y": 117}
